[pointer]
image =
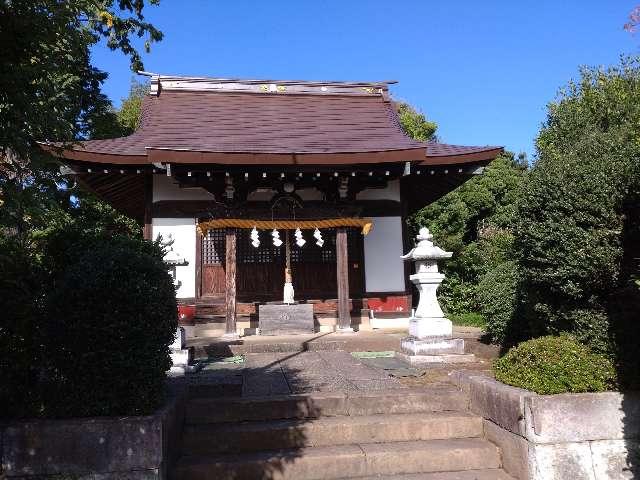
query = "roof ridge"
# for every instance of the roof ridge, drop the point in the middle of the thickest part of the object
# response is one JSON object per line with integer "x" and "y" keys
{"x": 254, "y": 81}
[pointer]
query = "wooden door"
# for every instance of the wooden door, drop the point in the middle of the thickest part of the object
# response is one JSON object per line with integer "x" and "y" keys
{"x": 314, "y": 268}
{"x": 260, "y": 271}
{"x": 213, "y": 258}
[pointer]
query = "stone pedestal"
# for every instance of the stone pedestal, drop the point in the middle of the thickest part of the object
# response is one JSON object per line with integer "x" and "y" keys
{"x": 430, "y": 327}
{"x": 432, "y": 345}
{"x": 181, "y": 357}
{"x": 284, "y": 319}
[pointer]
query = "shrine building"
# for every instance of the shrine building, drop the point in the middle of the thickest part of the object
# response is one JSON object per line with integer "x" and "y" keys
{"x": 260, "y": 181}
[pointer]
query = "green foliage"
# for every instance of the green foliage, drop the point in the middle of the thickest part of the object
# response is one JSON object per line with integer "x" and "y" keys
{"x": 125, "y": 120}
{"x": 111, "y": 316}
{"x": 53, "y": 248}
{"x": 474, "y": 222}
{"x": 549, "y": 365}
{"x": 576, "y": 224}
{"x": 49, "y": 90}
{"x": 498, "y": 301}
{"x": 471, "y": 319}
{"x": 131, "y": 108}
{"x": 83, "y": 322}
{"x": 415, "y": 124}
{"x": 20, "y": 331}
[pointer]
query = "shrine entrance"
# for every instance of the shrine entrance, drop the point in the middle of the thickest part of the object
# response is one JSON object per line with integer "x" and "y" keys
{"x": 260, "y": 270}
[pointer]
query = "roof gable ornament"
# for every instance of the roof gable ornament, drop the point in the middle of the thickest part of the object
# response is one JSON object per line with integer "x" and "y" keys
{"x": 168, "y": 82}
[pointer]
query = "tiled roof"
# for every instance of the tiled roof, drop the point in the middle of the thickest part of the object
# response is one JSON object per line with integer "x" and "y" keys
{"x": 191, "y": 121}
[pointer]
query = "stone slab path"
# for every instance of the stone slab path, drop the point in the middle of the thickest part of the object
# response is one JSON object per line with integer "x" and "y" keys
{"x": 263, "y": 374}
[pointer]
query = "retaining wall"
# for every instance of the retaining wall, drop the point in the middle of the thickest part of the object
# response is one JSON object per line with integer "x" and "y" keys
{"x": 104, "y": 448}
{"x": 584, "y": 436}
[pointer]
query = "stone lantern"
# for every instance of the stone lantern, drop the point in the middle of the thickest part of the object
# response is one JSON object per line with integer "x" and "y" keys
{"x": 429, "y": 331}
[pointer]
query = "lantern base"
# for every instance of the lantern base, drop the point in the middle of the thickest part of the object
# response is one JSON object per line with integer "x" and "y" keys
{"x": 432, "y": 346}
{"x": 426, "y": 327}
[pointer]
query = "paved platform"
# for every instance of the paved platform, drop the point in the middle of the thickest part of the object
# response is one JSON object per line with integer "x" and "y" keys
{"x": 264, "y": 374}
{"x": 269, "y": 374}
{"x": 379, "y": 340}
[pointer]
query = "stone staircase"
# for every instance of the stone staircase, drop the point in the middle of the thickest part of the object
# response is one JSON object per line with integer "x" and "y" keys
{"x": 407, "y": 434}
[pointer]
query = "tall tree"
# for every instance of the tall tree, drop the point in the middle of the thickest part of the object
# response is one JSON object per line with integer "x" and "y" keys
{"x": 49, "y": 89}
{"x": 475, "y": 221}
{"x": 415, "y": 124}
{"x": 124, "y": 120}
{"x": 634, "y": 20}
{"x": 578, "y": 232}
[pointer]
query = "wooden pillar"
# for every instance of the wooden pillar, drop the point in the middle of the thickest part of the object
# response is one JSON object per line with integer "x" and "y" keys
{"x": 147, "y": 229}
{"x": 198, "y": 262}
{"x": 230, "y": 282}
{"x": 342, "y": 261}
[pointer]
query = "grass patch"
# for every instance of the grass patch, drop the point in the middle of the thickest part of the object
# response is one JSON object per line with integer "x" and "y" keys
{"x": 471, "y": 319}
{"x": 386, "y": 354}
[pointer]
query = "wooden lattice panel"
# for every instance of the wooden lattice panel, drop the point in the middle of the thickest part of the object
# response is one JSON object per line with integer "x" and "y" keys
{"x": 213, "y": 247}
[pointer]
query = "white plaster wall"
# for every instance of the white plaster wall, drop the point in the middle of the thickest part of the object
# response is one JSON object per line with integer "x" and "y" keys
{"x": 184, "y": 235}
{"x": 390, "y": 192}
{"x": 166, "y": 188}
{"x": 383, "y": 268}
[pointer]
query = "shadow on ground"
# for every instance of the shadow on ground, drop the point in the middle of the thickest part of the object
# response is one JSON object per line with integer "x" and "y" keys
{"x": 225, "y": 435}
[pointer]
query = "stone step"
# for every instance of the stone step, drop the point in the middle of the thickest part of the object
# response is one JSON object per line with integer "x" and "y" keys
{"x": 344, "y": 461}
{"x": 327, "y": 431}
{"x": 485, "y": 474}
{"x": 325, "y": 404}
{"x": 205, "y": 327}
{"x": 221, "y": 348}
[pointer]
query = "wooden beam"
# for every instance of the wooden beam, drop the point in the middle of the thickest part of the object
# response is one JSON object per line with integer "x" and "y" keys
{"x": 342, "y": 264}
{"x": 198, "y": 264}
{"x": 147, "y": 232}
{"x": 230, "y": 282}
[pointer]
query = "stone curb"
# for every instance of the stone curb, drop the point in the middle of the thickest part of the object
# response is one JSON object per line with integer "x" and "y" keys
{"x": 109, "y": 447}
{"x": 591, "y": 436}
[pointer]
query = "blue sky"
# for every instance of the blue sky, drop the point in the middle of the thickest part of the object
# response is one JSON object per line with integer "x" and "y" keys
{"x": 483, "y": 71}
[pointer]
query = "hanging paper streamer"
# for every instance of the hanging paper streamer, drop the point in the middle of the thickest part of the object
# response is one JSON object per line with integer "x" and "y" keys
{"x": 318, "y": 236}
{"x": 276, "y": 238}
{"x": 299, "y": 240}
{"x": 255, "y": 238}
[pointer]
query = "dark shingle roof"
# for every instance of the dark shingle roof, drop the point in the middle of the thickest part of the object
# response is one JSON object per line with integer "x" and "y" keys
{"x": 205, "y": 125}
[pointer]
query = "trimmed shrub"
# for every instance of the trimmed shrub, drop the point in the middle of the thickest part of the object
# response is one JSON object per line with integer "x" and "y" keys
{"x": 471, "y": 319}
{"x": 456, "y": 296}
{"x": 497, "y": 297}
{"x": 20, "y": 331}
{"x": 549, "y": 365}
{"x": 112, "y": 315}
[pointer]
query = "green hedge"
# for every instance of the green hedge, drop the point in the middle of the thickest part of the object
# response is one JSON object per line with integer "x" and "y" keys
{"x": 471, "y": 319}
{"x": 86, "y": 326}
{"x": 21, "y": 335}
{"x": 550, "y": 364}
{"x": 575, "y": 237}
{"x": 498, "y": 300}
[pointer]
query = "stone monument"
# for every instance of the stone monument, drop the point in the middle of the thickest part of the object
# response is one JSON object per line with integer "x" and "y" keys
{"x": 430, "y": 333}
{"x": 181, "y": 357}
{"x": 286, "y": 319}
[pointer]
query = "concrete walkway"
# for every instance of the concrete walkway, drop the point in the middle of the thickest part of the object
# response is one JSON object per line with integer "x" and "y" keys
{"x": 277, "y": 365}
{"x": 263, "y": 374}
{"x": 273, "y": 373}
